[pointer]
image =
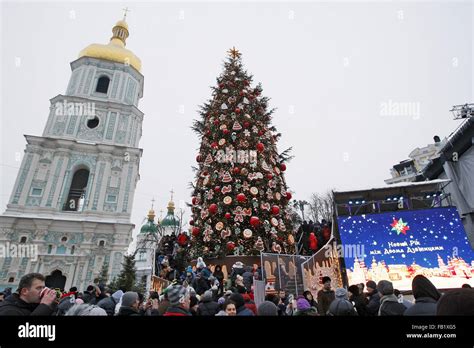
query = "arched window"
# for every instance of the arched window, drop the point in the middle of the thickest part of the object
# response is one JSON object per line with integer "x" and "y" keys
{"x": 11, "y": 279}
{"x": 101, "y": 243}
{"x": 73, "y": 249}
{"x": 50, "y": 248}
{"x": 102, "y": 84}
{"x": 23, "y": 240}
{"x": 77, "y": 190}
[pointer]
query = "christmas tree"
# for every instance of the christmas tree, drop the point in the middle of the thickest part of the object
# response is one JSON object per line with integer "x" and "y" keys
{"x": 240, "y": 199}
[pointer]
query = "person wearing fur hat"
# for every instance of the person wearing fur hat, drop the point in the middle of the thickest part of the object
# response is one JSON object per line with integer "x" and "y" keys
{"x": 248, "y": 277}
{"x": 325, "y": 296}
{"x": 341, "y": 306}
{"x": 303, "y": 308}
{"x": 389, "y": 305}
{"x": 426, "y": 297}
{"x": 373, "y": 298}
{"x": 239, "y": 301}
{"x": 179, "y": 300}
{"x": 237, "y": 269}
{"x": 239, "y": 285}
{"x": 207, "y": 307}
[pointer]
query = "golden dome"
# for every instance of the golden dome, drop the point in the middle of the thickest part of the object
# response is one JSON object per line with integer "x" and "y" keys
{"x": 115, "y": 50}
{"x": 151, "y": 215}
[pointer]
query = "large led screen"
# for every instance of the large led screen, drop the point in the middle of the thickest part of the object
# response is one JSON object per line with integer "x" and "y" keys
{"x": 396, "y": 246}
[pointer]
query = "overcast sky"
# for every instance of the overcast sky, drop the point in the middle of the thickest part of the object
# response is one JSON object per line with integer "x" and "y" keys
{"x": 329, "y": 68}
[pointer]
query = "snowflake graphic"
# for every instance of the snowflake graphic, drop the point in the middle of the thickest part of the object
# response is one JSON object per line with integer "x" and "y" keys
{"x": 399, "y": 226}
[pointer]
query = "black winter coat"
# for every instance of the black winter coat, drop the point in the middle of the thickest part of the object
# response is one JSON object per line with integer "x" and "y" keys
{"x": 14, "y": 305}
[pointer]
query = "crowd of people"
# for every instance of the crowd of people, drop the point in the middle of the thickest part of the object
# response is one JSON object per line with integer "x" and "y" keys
{"x": 203, "y": 292}
{"x": 312, "y": 236}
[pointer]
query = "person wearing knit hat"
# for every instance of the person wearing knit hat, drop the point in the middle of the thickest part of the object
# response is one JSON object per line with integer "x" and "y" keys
{"x": 389, "y": 305}
{"x": 456, "y": 302}
{"x": 267, "y": 308}
{"x": 303, "y": 308}
{"x": 341, "y": 306}
{"x": 179, "y": 299}
{"x": 373, "y": 298}
{"x": 358, "y": 300}
{"x": 109, "y": 303}
{"x": 130, "y": 302}
{"x": 426, "y": 297}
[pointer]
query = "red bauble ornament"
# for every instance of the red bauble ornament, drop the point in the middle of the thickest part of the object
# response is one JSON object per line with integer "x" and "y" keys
{"x": 194, "y": 200}
{"x": 288, "y": 195}
{"x": 230, "y": 246}
{"x": 227, "y": 216}
{"x": 254, "y": 221}
{"x": 226, "y": 131}
{"x": 241, "y": 93}
{"x": 221, "y": 85}
{"x": 236, "y": 170}
{"x": 237, "y": 110}
{"x": 214, "y": 145}
{"x": 246, "y": 124}
{"x": 208, "y": 132}
{"x": 191, "y": 222}
{"x": 275, "y": 210}
{"x": 246, "y": 82}
{"x": 283, "y": 167}
{"x": 217, "y": 189}
{"x": 216, "y": 122}
{"x": 269, "y": 176}
{"x": 260, "y": 147}
{"x": 198, "y": 158}
{"x": 196, "y": 231}
{"x": 213, "y": 208}
{"x": 241, "y": 197}
{"x": 260, "y": 132}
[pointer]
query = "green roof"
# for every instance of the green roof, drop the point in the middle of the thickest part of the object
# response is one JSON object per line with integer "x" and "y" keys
{"x": 149, "y": 227}
{"x": 169, "y": 220}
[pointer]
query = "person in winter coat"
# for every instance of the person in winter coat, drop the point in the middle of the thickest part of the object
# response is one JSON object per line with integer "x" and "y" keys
{"x": 402, "y": 299}
{"x": 325, "y": 296}
{"x": 426, "y": 297}
{"x": 200, "y": 284}
{"x": 237, "y": 269}
{"x": 179, "y": 299}
{"x": 456, "y": 302}
{"x": 108, "y": 304}
{"x": 267, "y": 308}
{"x": 373, "y": 298}
{"x": 219, "y": 275}
{"x": 303, "y": 308}
{"x": 248, "y": 277}
{"x": 32, "y": 298}
{"x": 130, "y": 304}
{"x": 65, "y": 304}
{"x": 358, "y": 300}
{"x": 313, "y": 243}
{"x": 309, "y": 297}
{"x": 341, "y": 306}
{"x": 239, "y": 301}
{"x": 239, "y": 285}
{"x": 72, "y": 292}
{"x": 389, "y": 305}
{"x": 249, "y": 303}
{"x": 207, "y": 307}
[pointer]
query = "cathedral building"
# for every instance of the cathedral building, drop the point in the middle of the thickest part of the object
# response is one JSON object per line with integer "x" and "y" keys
{"x": 73, "y": 195}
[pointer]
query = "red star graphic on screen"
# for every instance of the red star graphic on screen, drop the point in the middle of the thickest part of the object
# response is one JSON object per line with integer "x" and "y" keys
{"x": 399, "y": 226}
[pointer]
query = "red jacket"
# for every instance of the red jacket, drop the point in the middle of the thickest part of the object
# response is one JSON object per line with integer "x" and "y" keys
{"x": 249, "y": 303}
{"x": 313, "y": 242}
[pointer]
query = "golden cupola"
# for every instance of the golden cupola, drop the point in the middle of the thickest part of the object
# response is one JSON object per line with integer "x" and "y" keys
{"x": 115, "y": 50}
